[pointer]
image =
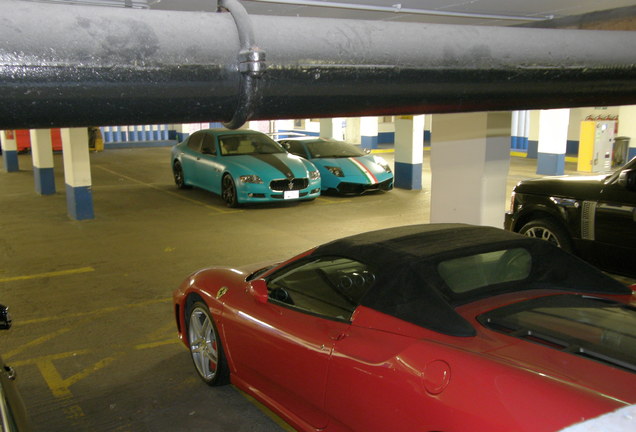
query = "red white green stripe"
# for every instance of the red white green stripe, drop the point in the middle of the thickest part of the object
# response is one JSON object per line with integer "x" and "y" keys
{"x": 368, "y": 174}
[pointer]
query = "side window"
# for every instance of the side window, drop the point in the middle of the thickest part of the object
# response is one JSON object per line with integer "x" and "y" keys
{"x": 194, "y": 142}
{"x": 208, "y": 145}
{"x": 330, "y": 286}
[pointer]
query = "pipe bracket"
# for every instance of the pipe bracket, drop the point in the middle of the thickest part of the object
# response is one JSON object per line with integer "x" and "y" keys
{"x": 251, "y": 63}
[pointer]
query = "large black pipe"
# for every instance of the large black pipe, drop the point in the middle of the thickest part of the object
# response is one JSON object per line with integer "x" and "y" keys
{"x": 81, "y": 65}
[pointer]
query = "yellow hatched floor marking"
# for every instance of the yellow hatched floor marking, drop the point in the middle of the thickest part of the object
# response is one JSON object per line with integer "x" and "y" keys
{"x": 48, "y": 274}
{"x": 175, "y": 194}
{"x": 93, "y": 313}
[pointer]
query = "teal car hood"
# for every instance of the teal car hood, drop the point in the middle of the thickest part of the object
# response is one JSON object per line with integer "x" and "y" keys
{"x": 267, "y": 166}
{"x": 362, "y": 166}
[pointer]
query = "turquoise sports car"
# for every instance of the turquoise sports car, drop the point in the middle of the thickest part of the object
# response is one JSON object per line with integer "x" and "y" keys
{"x": 243, "y": 167}
{"x": 344, "y": 168}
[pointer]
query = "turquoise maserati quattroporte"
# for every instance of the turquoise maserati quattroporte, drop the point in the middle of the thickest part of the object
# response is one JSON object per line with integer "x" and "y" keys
{"x": 243, "y": 167}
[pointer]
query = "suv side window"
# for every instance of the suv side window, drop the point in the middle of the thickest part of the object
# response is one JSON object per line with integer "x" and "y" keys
{"x": 328, "y": 286}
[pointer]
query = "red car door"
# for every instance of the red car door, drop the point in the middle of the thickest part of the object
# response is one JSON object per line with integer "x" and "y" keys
{"x": 283, "y": 348}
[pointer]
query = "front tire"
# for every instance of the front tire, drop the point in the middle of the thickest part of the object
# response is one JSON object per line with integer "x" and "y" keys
{"x": 228, "y": 191}
{"x": 548, "y": 230}
{"x": 205, "y": 346}
{"x": 179, "y": 178}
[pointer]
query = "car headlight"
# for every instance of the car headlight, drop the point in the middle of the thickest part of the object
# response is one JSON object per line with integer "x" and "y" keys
{"x": 335, "y": 171}
{"x": 314, "y": 175}
{"x": 384, "y": 164}
{"x": 252, "y": 178}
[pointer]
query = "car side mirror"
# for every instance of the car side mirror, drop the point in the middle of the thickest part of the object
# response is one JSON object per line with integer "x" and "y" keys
{"x": 627, "y": 179}
{"x": 258, "y": 288}
{"x": 5, "y": 318}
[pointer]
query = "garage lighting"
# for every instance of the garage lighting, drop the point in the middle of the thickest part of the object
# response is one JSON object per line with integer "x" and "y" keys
{"x": 397, "y": 8}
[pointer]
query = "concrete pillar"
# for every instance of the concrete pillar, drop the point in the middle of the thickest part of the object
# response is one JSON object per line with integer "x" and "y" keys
{"x": 9, "y": 151}
{"x": 77, "y": 173}
{"x": 409, "y": 149}
{"x": 553, "y": 138}
{"x": 627, "y": 127}
{"x": 470, "y": 158}
{"x": 42, "y": 155}
{"x": 369, "y": 132}
{"x": 533, "y": 134}
{"x": 520, "y": 130}
{"x": 332, "y": 128}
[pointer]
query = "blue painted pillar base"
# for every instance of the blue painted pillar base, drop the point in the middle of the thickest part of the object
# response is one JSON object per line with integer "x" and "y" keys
{"x": 550, "y": 164}
{"x": 408, "y": 176}
{"x": 79, "y": 202}
{"x": 44, "y": 180}
{"x": 10, "y": 159}
{"x": 533, "y": 149}
{"x": 369, "y": 142}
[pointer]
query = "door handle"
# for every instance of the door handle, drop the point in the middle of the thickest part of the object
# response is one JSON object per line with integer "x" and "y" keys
{"x": 339, "y": 336}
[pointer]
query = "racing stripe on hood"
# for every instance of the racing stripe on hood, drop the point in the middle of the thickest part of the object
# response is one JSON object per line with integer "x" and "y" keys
{"x": 274, "y": 162}
{"x": 369, "y": 175}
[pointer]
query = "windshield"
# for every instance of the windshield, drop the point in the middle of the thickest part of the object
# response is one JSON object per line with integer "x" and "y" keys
{"x": 614, "y": 176}
{"x": 235, "y": 145}
{"x": 332, "y": 149}
{"x": 592, "y": 327}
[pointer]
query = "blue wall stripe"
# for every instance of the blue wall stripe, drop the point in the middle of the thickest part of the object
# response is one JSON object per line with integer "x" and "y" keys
{"x": 79, "y": 202}
{"x": 44, "y": 180}
{"x": 550, "y": 164}
{"x": 408, "y": 176}
{"x": 386, "y": 137}
{"x": 631, "y": 153}
{"x": 10, "y": 160}
{"x": 369, "y": 142}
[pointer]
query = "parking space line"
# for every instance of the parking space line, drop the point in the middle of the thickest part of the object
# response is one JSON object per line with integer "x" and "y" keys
{"x": 322, "y": 200}
{"x": 35, "y": 342}
{"x": 93, "y": 313}
{"x": 175, "y": 194}
{"x": 48, "y": 274}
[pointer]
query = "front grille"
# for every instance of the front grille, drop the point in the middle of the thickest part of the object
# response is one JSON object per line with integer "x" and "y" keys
{"x": 289, "y": 184}
{"x": 359, "y": 188}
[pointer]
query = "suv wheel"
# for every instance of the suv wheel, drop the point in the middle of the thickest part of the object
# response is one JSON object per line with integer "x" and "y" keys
{"x": 548, "y": 230}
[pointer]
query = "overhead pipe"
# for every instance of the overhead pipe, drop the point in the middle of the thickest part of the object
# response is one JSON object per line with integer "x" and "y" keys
{"x": 63, "y": 66}
{"x": 398, "y": 9}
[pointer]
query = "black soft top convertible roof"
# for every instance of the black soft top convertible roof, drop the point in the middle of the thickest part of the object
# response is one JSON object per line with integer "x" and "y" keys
{"x": 408, "y": 285}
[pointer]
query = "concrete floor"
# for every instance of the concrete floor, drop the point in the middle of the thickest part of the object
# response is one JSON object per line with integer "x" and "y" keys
{"x": 94, "y": 339}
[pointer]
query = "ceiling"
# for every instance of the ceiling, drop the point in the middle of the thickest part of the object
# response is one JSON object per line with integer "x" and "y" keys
{"x": 473, "y": 12}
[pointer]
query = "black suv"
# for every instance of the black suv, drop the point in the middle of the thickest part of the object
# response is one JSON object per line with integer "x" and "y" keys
{"x": 591, "y": 216}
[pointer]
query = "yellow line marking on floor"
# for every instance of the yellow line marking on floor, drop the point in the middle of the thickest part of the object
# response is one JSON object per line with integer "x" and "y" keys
{"x": 93, "y": 313}
{"x": 38, "y": 341}
{"x": 50, "y": 357}
{"x": 171, "y": 341}
{"x": 60, "y": 386}
{"x": 48, "y": 274}
{"x": 269, "y": 413}
{"x": 324, "y": 201}
{"x": 175, "y": 194}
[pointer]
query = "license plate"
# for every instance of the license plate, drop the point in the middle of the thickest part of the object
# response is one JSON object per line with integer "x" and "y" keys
{"x": 291, "y": 194}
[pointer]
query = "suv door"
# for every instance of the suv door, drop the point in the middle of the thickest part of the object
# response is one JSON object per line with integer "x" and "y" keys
{"x": 615, "y": 227}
